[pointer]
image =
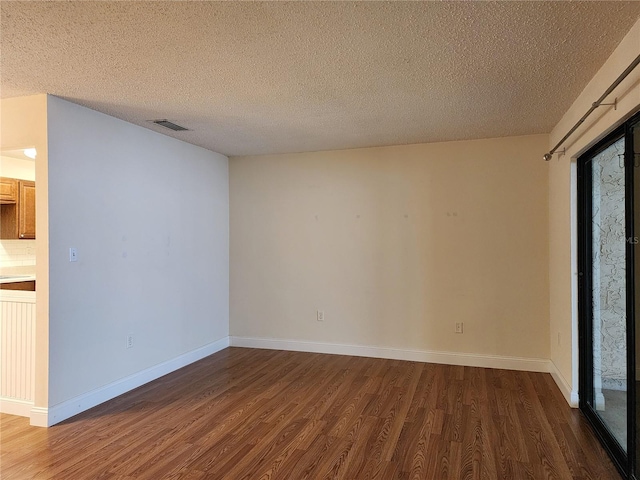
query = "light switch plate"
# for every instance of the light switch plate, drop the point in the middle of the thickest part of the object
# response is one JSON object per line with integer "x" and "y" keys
{"x": 73, "y": 254}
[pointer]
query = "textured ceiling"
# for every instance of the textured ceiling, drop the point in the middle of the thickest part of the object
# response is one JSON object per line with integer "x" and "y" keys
{"x": 273, "y": 77}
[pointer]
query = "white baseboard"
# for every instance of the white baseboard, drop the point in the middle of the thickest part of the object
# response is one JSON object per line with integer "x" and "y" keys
{"x": 13, "y": 406}
{"x": 570, "y": 395}
{"x": 448, "y": 358}
{"x": 39, "y": 417}
{"x": 74, "y": 406}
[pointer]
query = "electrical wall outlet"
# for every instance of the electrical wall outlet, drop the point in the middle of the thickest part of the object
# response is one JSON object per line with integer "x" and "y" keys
{"x": 130, "y": 340}
{"x": 320, "y": 315}
{"x": 459, "y": 327}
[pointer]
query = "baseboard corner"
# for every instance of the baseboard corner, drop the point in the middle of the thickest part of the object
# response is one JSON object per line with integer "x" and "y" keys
{"x": 39, "y": 417}
{"x": 569, "y": 394}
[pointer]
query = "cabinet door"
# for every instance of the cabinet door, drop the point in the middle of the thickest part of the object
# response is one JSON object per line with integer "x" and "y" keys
{"x": 27, "y": 206}
{"x": 9, "y": 221}
{"x": 8, "y": 190}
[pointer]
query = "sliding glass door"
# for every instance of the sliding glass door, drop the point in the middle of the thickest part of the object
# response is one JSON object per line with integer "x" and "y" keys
{"x": 608, "y": 176}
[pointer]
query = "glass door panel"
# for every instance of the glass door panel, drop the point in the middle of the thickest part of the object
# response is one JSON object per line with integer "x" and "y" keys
{"x": 609, "y": 316}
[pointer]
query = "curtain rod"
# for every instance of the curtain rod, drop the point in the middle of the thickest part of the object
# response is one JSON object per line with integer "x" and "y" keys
{"x": 594, "y": 105}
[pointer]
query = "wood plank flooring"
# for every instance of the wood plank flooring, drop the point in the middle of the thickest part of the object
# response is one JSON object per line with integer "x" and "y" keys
{"x": 265, "y": 414}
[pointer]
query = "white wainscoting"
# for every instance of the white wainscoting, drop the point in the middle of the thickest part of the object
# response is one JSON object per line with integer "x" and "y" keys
{"x": 17, "y": 351}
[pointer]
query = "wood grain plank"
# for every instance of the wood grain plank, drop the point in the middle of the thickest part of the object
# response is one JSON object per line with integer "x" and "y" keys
{"x": 273, "y": 415}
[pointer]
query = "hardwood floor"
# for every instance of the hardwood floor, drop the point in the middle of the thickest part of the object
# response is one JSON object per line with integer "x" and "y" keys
{"x": 263, "y": 414}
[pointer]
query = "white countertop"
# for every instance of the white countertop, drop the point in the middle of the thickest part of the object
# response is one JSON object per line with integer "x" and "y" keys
{"x": 17, "y": 278}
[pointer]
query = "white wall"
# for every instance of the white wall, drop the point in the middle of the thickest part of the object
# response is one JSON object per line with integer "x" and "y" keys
{"x": 149, "y": 217}
{"x": 17, "y": 168}
{"x": 395, "y": 244}
{"x": 562, "y": 198}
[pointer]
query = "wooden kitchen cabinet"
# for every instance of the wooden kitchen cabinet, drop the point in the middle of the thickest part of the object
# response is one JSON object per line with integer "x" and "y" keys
{"x": 27, "y": 207}
{"x": 8, "y": 190}
{"x": 18, "y": 220}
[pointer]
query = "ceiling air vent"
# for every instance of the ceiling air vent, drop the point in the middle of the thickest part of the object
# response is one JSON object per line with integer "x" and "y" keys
{"x": 170, "y": 125}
